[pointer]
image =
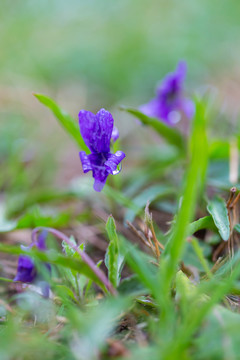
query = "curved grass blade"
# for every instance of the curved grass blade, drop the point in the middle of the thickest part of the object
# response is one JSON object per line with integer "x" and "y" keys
{"x": 67, "y": 122}
{"x": 170, "y": 134}
{"x": 193, "y": 184}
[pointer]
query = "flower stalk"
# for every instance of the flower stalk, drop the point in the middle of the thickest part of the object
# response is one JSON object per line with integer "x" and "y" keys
{"x": 85, "y": 258}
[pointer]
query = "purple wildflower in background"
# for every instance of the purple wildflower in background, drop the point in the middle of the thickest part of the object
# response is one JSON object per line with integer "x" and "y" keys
{"x": 26, "y": 270}
{"x": 170, "y": 100}
{"x": 97, "y": 131}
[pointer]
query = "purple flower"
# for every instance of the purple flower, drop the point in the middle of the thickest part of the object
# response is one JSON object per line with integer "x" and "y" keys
{"x": 115, "y": 134}
{"x": 170, "y": 100}
{"x": 97, "y": 131}
{"x": 26, "y": 270}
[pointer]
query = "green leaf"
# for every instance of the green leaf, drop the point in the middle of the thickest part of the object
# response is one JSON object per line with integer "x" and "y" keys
{"x": 18, "y": 203}
{"x": 89, "y": 284}
{"x": 193, "y": 185}
{"x": 199, "y": 252}
{"x": 237, "y": 228}
{"x": 72, "y": 275}
{"x": 94, "y": 325}
{"x": 218, "y": 210}
{"x": 67, "y": 122}
{"x": 184, "y": 287}
{"x": 31, "y": 219}
{"x": 190, "y": 258}
{"x": 132, "y": 286}
{"x": 224, "y": 324}
{"x": 64, "y": 291}
{"x": 150, "y": 194}
{"x": 168, "y": 133}
{"x": 141, "y": 264}
{"x": 194, "y": 182}
{"x": 53, "y": 257}
{"x": 113, "y": 259}
{"x": 203, "y": 223}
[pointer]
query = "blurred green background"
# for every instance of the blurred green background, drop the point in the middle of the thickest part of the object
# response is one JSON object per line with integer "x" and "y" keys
{"x": 93, "y": 54}
{"x": 107, "y": 50}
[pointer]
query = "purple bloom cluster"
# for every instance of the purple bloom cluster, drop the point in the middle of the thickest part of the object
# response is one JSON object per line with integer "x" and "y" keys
{"x": 26, "y": 270}
{"x": 170, "y": 100}
{"x": 97, "y": 131}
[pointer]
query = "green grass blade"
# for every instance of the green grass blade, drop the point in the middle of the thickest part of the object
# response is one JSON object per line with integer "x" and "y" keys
{"x": 67, "y": 122}
{"x": 112, "y": 254}
{"x": 199, "y": 252}
{"x": 193, "y": 182}
{"x": 141, "y": 265}
{"x": 170, "y": 134}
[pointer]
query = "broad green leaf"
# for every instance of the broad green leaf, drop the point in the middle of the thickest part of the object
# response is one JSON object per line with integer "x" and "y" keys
{"x": 68, "y": 123}
{"x": 114, "y": 260}
{"x": 170, "y": 134}
{"x": 132, "y": 286}
{"x": 202, "y": 223}
{"x": 218, "y": 210}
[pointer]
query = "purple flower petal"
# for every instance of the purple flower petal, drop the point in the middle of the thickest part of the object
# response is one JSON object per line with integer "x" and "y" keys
{"x": 115, "y": 134}
{"x": 114, "y": 160}
{"x": 41, "y": 241}
{"x": 86, "y": 164}
{"x": 151, "y": 109}
{"x": 102, "y": 165}
{"x": 96, "y": 129}
{"x": 188, "y": 108}
{"x": 99, "y": 184}
{"x": 170, "y": 97}
{"x": 26, "y": 271}
{"x": 96, "y": 163}
{"x": 181, "y": 71}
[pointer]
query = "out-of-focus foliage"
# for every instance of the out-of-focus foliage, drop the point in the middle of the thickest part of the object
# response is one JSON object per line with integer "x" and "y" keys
{"x": 117, "y": 49}
{"x": 169, "y": 287}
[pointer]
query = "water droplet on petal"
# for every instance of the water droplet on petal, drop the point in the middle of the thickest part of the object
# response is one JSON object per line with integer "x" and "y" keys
{"x": 174, "y": 117}
{"x": 117, "y": 171}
